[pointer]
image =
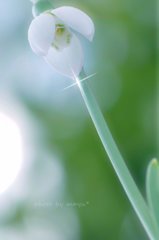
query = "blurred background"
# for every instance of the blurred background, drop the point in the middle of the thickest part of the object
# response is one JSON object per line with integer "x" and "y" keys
{"x": 66, "y": 188}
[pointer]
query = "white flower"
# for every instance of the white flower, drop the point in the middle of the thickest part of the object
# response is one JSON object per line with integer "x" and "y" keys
{"x": 50, "y": 35}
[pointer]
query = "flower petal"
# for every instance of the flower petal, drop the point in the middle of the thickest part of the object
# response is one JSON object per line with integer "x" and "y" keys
{"x": 41, "y": 33}
{"x": 77, "y": 20}
{"x": 69, "y": 61}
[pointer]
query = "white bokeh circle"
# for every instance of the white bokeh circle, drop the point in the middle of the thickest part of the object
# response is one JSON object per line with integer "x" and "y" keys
{"x": 11, "y": 151}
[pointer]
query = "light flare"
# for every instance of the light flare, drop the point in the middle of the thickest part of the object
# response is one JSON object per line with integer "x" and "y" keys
{"x": 78, "y": 81}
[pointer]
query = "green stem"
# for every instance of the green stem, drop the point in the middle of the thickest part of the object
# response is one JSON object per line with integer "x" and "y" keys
{"x": 117, "y": 161}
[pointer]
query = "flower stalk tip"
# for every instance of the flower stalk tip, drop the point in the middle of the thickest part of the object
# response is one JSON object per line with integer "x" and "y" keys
{"x": 40, "y": 6}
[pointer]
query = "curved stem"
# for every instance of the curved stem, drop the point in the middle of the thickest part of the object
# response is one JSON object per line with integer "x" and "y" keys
{"x": 117, "y": 161}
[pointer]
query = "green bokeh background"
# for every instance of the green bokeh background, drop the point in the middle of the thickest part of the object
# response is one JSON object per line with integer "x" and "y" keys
{"x": 67, "y": 188}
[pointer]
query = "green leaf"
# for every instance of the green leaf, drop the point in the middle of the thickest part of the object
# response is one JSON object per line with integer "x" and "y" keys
{"x": 152, "y": 188}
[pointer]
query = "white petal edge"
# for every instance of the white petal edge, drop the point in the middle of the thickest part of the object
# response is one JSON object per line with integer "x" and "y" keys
{"x": 41, "y": 33}
{"x": 69, "y": 61}
{"x": 77, "y": 20}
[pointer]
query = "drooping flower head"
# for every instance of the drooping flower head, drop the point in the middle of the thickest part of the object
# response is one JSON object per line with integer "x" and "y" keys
{"x": 51, "y": 36}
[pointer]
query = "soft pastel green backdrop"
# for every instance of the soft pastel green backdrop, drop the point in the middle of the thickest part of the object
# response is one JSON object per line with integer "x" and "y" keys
{"x": 67, "y": 189}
